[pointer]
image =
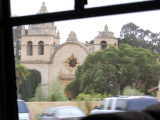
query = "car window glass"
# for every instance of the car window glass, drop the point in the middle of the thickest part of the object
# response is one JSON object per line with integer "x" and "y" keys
{"x": 140, "y": 104}
{"x": 102, "y": 106}
{"x": 120, "y": 104}
{"x": 68, "y": 111}
{"x": 22, "y": 107}
{"x": 110, "y": 104}
{"x": 46, "y": 111}
{"x": 51, "y": 112}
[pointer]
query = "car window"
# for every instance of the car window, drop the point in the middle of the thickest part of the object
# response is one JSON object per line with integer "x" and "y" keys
{"x": 51, "y": 111}
{"x": 140, "y": 104}
{"x": 120, "y": 104}
{"x": 68, "y": 111}
{"x": 22, "y": 107}
{"x": 104, "y": 103}
{"x": 46, "y": 111}
{"x": 110, "y": 104}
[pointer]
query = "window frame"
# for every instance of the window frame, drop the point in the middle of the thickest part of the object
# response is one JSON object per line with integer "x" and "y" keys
{"x": 41, "y": 48}
{"x": 29, "y": 48}
{"x": 8, "y": 101}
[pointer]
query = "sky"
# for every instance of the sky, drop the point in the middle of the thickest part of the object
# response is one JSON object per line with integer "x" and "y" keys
{"x": 88, "y": 28}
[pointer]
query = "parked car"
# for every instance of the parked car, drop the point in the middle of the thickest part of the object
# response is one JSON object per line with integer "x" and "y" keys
{"x": 62, "y": 113}
{"x": 23, "y": 111}
{"x": 124, "y": 103}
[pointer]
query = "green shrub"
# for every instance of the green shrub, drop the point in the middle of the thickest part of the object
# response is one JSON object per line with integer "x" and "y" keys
{"x": 39, "y": 94}
{"x": 130, "y": 91}
{"x": 56, "y": 93}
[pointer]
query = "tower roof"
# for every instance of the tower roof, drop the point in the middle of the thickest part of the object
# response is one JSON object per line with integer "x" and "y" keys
{"x": 106, "y": 28}
{"x": 43, "y": 9}
{"x": 72, "y": 36}
{"x": 106, "y": 33}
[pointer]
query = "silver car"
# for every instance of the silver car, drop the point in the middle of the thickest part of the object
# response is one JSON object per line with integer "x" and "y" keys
{"x": 62, "y": 113}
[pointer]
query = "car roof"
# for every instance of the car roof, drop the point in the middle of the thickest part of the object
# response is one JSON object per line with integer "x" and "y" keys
{"x": 131, "y": 97}
{"x": 58, "y": 107}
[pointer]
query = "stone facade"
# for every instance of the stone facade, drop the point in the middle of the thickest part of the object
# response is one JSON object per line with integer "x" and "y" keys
{"x": 41, "y": 50}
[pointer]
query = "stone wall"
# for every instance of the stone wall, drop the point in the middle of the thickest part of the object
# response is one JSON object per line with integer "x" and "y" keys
{"x": 36, "y": 108}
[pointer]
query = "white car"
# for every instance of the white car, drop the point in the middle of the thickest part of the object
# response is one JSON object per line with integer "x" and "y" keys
{"x": 124, "y": 103}
{"x": 23, "y": 111}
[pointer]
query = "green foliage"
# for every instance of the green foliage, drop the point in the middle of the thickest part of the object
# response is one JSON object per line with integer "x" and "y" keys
{"x": 130, "y": 91}
{"x": 28, "y": 86}
{"x": 90, "y": 42}
{"x": 135, "y": 36}
{"x": 109, "y": 95}
{"x": 39, "y": 94}
{"x": 90, "y": 97}
{"x": 110, "y": 70}
{"x": 56, "y": 93}
{"x": 21, "y": 75}
{"x": 82, "y": 97}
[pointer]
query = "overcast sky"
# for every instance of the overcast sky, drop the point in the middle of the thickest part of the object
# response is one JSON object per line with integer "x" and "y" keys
{"x": 87, "y": 29}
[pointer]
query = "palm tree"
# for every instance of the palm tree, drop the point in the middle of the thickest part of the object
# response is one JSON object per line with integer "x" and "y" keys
{"x": 21, "y": 74}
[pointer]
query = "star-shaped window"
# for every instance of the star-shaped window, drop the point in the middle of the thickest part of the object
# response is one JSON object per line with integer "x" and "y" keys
{"x": 72, "y": 62}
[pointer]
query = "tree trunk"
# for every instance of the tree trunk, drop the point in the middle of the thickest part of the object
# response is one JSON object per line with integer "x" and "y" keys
{"x": 118, "y": 90}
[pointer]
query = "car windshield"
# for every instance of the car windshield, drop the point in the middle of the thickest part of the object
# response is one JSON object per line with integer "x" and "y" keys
{"x": 140, "y": 104}
{"x": 68, "y": 112}
{"x": 22, "y": 107}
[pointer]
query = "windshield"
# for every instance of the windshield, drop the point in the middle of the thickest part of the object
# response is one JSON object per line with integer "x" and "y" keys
{"x": 22, "y": 107}
{"x": 68, "y": 112}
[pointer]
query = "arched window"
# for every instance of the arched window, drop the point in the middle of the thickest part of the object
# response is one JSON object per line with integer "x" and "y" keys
{"x": 29, "y": 48}
{"x": 103, "y": 45}
{"x": 41, "y": 48}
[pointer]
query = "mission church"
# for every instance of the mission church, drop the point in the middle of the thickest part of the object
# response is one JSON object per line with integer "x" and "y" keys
{"x": 41, "y": 50}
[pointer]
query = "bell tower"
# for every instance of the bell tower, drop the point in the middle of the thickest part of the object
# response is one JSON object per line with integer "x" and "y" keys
{"x": 39, "y": 40}
{"x": 105, "y": 39}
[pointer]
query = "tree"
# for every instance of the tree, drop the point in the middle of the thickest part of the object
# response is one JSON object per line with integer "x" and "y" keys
{"x": 21, "y": 74}
{"x": 28, "y": 86}
{"x": 148, "y": 69}
{"x": 137, "y": 37}
{"x": 17, "y": 41}
{"x": 110, "y": 70}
